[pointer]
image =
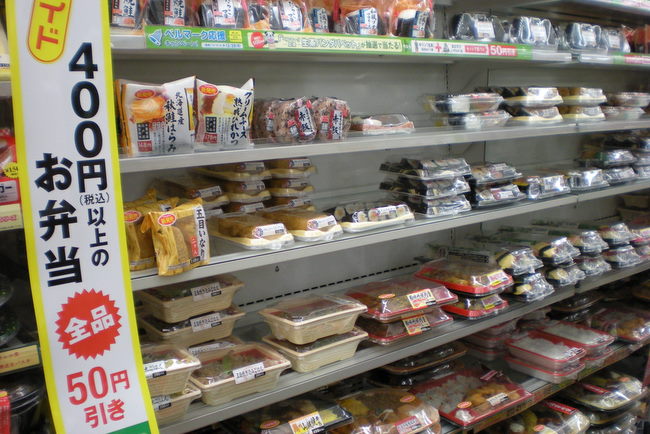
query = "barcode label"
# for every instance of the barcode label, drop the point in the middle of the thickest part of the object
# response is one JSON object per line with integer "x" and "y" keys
{"x": 210, "y": 347}
{"x": 155, "y": 369}
{"x": 408, "y": 425}
{"x": 416, "y": 324}
{"x": 248, "y": 373}
{"x": 307, "y": 424}
{"x": 206, "y": 291}
{"x": 205, "y": 322}
{"x": 420, "y": 299}
{"x": 497, "y": 399}
{"x": 161, "y": 402}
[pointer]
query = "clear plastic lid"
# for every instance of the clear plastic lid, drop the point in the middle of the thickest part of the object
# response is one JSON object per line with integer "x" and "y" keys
{"x": 606, "y": 391}
{"x": 543, "y": 186}
{"x": 395, "y": 298}
{"x": 485, "y": 173}
{"x": 587, "y": 241}
{"x": 515, "y": 260}
{"x": 629, "y": 99}
{"x": 472, "y": 121}
{"x": 461, "y": 103}
{"x": 625, "y": 324}
{"x": 616, "y": 113}
{"x": 578, "y": 302}
{"x": 538, "y": 32}
{"x": 486, "y": 196}
{"x": 643, "y": 252}
{"x": 240, "y": 362}
{"x": 582, "y": 114}
{"x": 583, "y": 37}
{"x": 329, "y": 341}
{"x": 531, "y": 287}
{"x": 560, "y": 277}
{"x": 546, "y": 350}
{"x": 471, "y": 394}
{"x": 248, "y": 226}
{"x": 425, "y": 189}
{"x": 619, "y": 175}
{"x": 427, "y": 170}
{"x": 382, "y": 124}
{"x": 303, "y": 414}
{"x": 197, "y": 289}
{"x": 552, "y": 250}
{"x": 427, "y": 359}
{"x": 369, "y": 212}
{"x": 532, "y": 96}
{"x": 642, "y": 172}
{"x": 622, "y": 257}
{"x": 191, "y": 323}
{"x": 161, "y": 360}
{"x": 501, "y": 329}
{"x": 607, "y": 158}
{"x": 478, "y": 26}
{"x": 604, "y": 418}
{"x": 583, "y": 336}
{"x": 582, "y": 96}
{"x": 381, "y": 378}
{"x": 615, "y": 234}
{"x": 476, "y": 308}
{"x": 387, "y": 410}
{"x": 641, "y": 234}
{"x": 388, "y": 333}
{"x": 465, "y": 276}
{"x": 304, "y": 309}
{"x": 555, "y": 376}
{"x": 585, "y": 178}
{"x": 615, "y": 39}
{"x": 546, "y": 417}
{"x": 593, "y": 266}
{"x": 431, "y": 208}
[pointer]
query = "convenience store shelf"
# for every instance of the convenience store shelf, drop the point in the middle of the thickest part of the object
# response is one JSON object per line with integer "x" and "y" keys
{"x": 422, "y": 137}
{"x": 612, "y": 276}
{"x": 242, "y": 259}
{"x": 11, "y": 217}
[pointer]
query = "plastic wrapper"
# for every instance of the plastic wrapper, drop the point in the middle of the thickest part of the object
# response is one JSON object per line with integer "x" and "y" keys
{"x": 543, "y": 186}
{"x": 224, "y": 15}
{"x": 389, "y": 333}
{"x": 244, "y": 370}
{"x": 291, "y": 168}
{"x": 547, "y": 417}
{"x": 643, "y": 252}
{"x": 426, "y": 359}
{"x": 486, "y": 196}
{"x": 192, "y": 187}
{"x": 427, "y": 170}
{"x": 292, "y": 202}
{"x": 400, "y": 297}
{"x": 538, "y": 32}
{"x": 606, "y": 391}
{"x": 598, "y": 360}
{"x": 332, "y": 118}
{"x": 487, "y": 341}
{"x": 602, "y": 419}
{"x": 626, "y": 325}
{"x": 534, "y": 116}
{"x": 302, "y": 320}
{"x": 170, "y": 408}
{"x": 462, "y": 103}
{"x": 293, "y": 120}
{"x": 578, "y": 335}
{"x": 380, "y": 378}
{"x": 584, "y": 37}
{"x": 629, "y": 99}
{"x": 531, "y": 97}
{"x": 546, "y": 351}
{"x": 625, "y": 425}
{"x": 622, "y": 257}
{"x": 370, "y": 125}
{"x": 577, "y": 302}
{"x": 560, "y": 277}
{"x": 582, "y": 114}
{"x": 251, "y": 231}
{"x": 387, "y": 410}
{"x": 593, "y": 266}
{"x": 473, "y": 121}
{"x": 167, "y": 369}
{"x": 642, "y": 158}
{"x": 128, "y": 14}
{"x": 363, "y": 216}
{"x": 427, "y": 190}
{"x": 582, "y": 96}
{"x": 584, "y": 179}
{"x": 633, "y": 141}
{"x": 320, "y": 14}
{"x": 551, "y": 249}
{"x": 589, "y": 242}
{"x": 432, "y": 208}
{"x": 194, "y": 330}
{"x": 616, "y": 234}
{"x": 224, "y": 115}
{"x": 174, "y": 13}
{"x": 179, "y": 301}
{"x": 567, "y": 373}
{"x": 306, "y": 225}
{"x": 411, "y": 18}
{"x": 477, "y": 27}
{"x": 515, "y": 260}
{"x": 180, "y": 239}
{"x": 330, "y": 349}
{"x": 607, "y": 157}
{"x": 493, "y": 172}
{"x": 642, "y": 172}
{"x": 614, "y": 39}
{"x": 530, "y": 287}
{"x": 471, "y": 395}
{"x": 477, "y": 308}
{"x": 485, "y": 354}
{"x": 619, "y": 175}
{"x": 620, "y": 113}
{"x": 289, "y": 416}
{"x": 469, "y": 278}
{"x": 241, "y": 172}
{"x": 362, "y": 17}
{"x": 246, "y": 191}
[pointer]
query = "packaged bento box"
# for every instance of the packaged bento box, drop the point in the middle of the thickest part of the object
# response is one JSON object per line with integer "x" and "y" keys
{"x": 470, "y": 395}
{"x": 629, "y": 99}
{"x": 426, "y": 170}
{"x": 469, "y": 278}
{"x": 170, "y": 408}
{"x": 251, "y": 231}
{"x": 544, "y": 350}
{"x": 400, "y": 297}
{"x": 619, "y": 175}
{"x": 532, "y": 96}
{"x": 194, "y": 330}
{"x": 215, "y": 347}
{"x": 530, "y": 287}
{"x": 323, "y": 351}
{"x": 606, "y": 391}
{"x": 602, "y": 419}
{"x": 387, "y": 410}
{"x": 434, "y": 189}
{"x": 487, "y": 196}
{"x": 582, "y": 114}
{"x": 461, "y": 103}
{"x": 546, "y": 417}
{"x": 245, "y": 369}
{"x": 389, "y": 333}
{"x": 380, "y": 378}
{"x": 593, "y": 265}
{"x": 433, "y": 208}
{"x": 426, "y": 359}
{"x": 626, "y": 324}
{"x": 167, "y": 368}
{"x": 569, "y": 372}
{"x": 622, "y": 257}
{"x": 477, "y": 308}
{"x": 179, "y": 301}
{"x": 302, "y": 320}
{"x": 593, "y": 341}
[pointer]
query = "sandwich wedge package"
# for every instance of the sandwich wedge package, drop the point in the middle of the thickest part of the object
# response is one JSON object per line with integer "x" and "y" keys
{"x": 224, "y": 115}
{"x": 411, "y": 18}
{"x": 589, "y": 242}
{"x": 530, "y": 287}
{"x": 538, "y": 32}
{"x": 180, "y": 237}
{"x": 332, "y": 118}
{"x": 477, "y": 27}
{"x": 564, "y": 276}
{"x": 362, "y": 17}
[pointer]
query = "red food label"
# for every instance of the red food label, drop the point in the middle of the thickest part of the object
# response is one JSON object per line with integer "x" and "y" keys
{"x": 464, "y": 404}
{"x": 145, "y": 93}
{"x": 594, "y": 389}
{"x": 257, "y": 40}
{"x": 407, "y": 398}
{"x": 488, "y": 376}
{"x": 269, "y": 424}
{"x": 167, "y": 219}
{"x": 553, "y": 405}
{"x": 208, "y": 89}
{"x": 131, "y": 216}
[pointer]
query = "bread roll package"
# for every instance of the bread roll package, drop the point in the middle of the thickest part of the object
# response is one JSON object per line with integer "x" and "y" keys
{"x": 142, "y": 108}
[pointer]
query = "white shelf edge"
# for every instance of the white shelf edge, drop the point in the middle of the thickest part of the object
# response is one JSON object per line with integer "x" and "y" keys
{"x": 612, "y": 276}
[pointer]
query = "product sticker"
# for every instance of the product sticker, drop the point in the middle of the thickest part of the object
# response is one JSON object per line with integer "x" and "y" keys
{"x": 416, "y": 324}
{"x": 420, "y": 299}
{"x": 269, "y": 230}
{"x": 205, "y": 322}
{"x": 251, "y": 167}
{"x": 295, "y": 183}
{"x": 299, "y": 163}
{"x": 419, "y": 29}
{"x": 248, "y": 373}
{"x": 161, "y": 402}
{"x": 319, "y": 20}
{"x": 539, "y": 32}
{"x": 408, "y": 425}
{"x": 155, "y": 369}
{"x": 592, "y": 111}
{"x": 502, "y": 194}
{"x": 293, "y": 128}
{"x": 174, "y": 12}
{"x": 291, "y": 16}
{"x": 335, "y": 131}
{"x": 321, "y": 223}
{"x": 208, "y": 192}
{"x": 206, "y": 348}
{"x": 489, "y": 375}
{"x": 251, "y": 207}
{"x": 553, "y": 405}
{"x": 589, "y": 37}
{"x": 497, "y": 399}
{"x": 485, "y": 29}
{"x": 382, "y": 213}
{"x": 308, "y": 424}
{"x": 224, "y": 13}
{"x": 366, "y": 19}
{"x": 206, "y": 291}
{"x": 304, "y": 120}
{"x": 297, "y": 202}
{"x": 614, "y": 41}
{"x": 496, "y": 278}
{"x": 269, "y": 121}
{"x": 252, "y": 186}
{"x": 594, "y": 389}
{"x": 9, "y": 191}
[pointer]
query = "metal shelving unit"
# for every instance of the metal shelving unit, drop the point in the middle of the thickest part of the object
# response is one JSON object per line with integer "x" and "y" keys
{"x": 612, "y": 276}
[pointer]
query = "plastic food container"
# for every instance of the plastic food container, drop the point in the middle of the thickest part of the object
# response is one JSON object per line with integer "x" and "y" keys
{"x": 622, "y": 257}
{"x": 547, "y": 417}
{"x": 244, "y": 370}
{"x": 629, "y": 99}
{"x": 582, "y": 114}
{"x": 619, "y": 175}
{"x": 471, "y": 395}
{"x": 382, "y": 379}
{"x": 531, "y": 96}
{"x": 478, "y": 27}
{"x": 485, "y": 354}
{"x": 593, "y": 266}
{"x": 436, "y": 189}
{"x": 582, "y": 96}
{"x": 248, "y": 171}
{"x": 584, "y": 37}
{"x": 427, "y": 170}
{"x": 556, "y": 377}
{"x": 493, "y": 172}
{"x": 251, "y": 232}
{"x": 291, "y": 168}
{"x": 178, "y": 302}
{"x": 538, "y": 32}
{"x": 642, "y": 292}
{"x": 615, "y": 234}
{"x": 400, "y": 297}
{"x": 642, "y": 172}
{"x": 641, "y": 235}
{"x": 427, "y": 359}
{"x": 543, "y": 186}
{"x": 303, "y": 414}
{"x": 9, "y": 325}
{"x": 643, "y": 252}
{"x": 289, "y": 187}
{"x": 614, "y": 113}
{"x": 502, "y": 329}
{"x": 477, "y": 308}
{"x": 560, "y": 277}
{"x": 25, "y": 393}
{"x": 485, "y": 196}
{"x": 598, "y": 360}
{"x": 469, "y": 278}
{"x": 389, "y": 333}
{"x": 627, "y": 325}
{"x": 530, "y": 287}
{"x": 170, "y": 408}
{"x": 302, "y": 320}
{"x": 363, "y": 216}
{"x": 546, "y": 351}
{"x": 216, "y": 347}
{"x": 607, "y": 158}
{"x": 603, "y": 419}
{"x": 577, "y": 302}
{"x": 487, "y": 341}
{"x": 534, "y": 116}
{"x": 472, "y": 121}
{"x": 371, "y": 125}
{"x": 306, "y": 225}
{"x": 578, "y": 335}
{"x": 626, "y": 424}
{"x": 202, "y": 328}
{"x": 584, "y": 179}
{"x": 409, "y": 414}
{"x": 463, "y": 103}
{"x": 606, "y": 391}
{"x": 167, "y": 368}
{"x": 309, "y": 357}
{"x": 432, "y": 208}
{"x": 642, "y": 158}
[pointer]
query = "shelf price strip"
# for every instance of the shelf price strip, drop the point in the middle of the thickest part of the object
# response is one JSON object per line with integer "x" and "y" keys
{"x": 62, "y": 88}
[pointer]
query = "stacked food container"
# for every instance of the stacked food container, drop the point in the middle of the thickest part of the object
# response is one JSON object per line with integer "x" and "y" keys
{"x": 472, "y": 111}
{"x": 582, "y": 104}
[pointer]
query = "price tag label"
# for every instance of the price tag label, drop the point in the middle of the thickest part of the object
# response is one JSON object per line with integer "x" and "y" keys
{"x": 205, "y": 322}
{"x": 594, "y": 389}
{"x": 248, "y": 373}
{"x": 420, "y": 299}
{"x": 209, "y": 192}
{"x": 161, "y": 402}
{"x": 307, "y": 424}
{"x": 206, "y": 291}
{"x": 320, "y": 223}
{"x": 155, "y": 369}
{"x": 497, "y": 399}
{"x": 408, "y": 425}
{"x": 269, "y": 230}
{"x": 195, "y": 351}
{"x": 416, "y": 324}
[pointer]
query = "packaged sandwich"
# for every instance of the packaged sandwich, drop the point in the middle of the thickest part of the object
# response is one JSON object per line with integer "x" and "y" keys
{"x": 251, "y": 231}
{"x": 478, "y": 27}
{"x": 142, "y": 111}
{"x": 427, "y": 169}
{"x": 306, "y": 225}
{"x": 127, "y": 14}
{"x": 259, "y": 15}
{"x": 291, "y": 168}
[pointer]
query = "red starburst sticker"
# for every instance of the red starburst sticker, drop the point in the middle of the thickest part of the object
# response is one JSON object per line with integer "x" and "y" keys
{"x": 88, "y": 324}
